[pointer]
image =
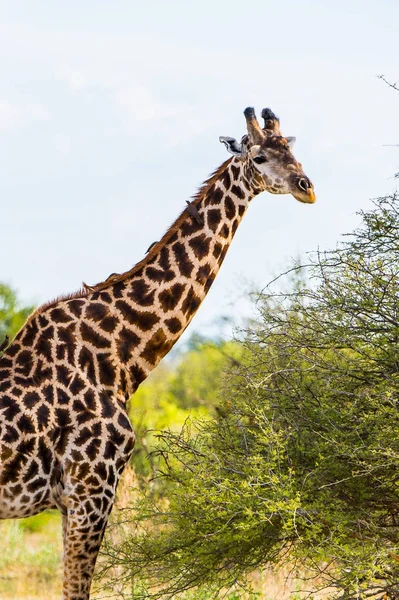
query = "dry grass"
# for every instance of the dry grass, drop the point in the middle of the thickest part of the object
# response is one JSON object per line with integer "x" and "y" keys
{"x": 30, "y": 564}
{"x": 284, "y": 584}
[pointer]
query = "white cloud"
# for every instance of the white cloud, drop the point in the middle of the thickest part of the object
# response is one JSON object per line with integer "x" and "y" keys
{"x": 63, "y": 145}
{"x": 138, "y": 107}
{"x": 74, "y": 77}
{"x": 15, "y": 116}
{"x": 140, "y": 104}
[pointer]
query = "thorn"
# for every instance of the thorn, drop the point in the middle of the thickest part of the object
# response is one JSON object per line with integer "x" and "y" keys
{"x": 193, "y": 212}
{"x": 4, "y": 343}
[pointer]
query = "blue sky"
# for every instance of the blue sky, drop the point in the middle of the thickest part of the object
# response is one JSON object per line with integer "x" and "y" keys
{"x": 110, "y": 114}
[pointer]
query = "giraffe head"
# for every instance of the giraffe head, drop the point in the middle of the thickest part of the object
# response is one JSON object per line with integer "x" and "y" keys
{"x": 270, "y": 154}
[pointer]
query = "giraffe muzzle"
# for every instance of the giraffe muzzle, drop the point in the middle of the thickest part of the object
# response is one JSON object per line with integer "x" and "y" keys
{"x": 304, "y": 190}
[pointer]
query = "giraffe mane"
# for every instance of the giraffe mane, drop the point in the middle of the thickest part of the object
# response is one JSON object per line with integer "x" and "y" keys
{"x": 118, "y": 278}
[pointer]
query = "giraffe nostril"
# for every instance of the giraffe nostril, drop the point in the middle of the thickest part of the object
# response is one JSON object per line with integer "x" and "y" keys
{"x": 304, "y": 184}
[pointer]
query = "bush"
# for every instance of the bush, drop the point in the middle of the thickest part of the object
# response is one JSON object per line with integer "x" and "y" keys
{"x": 186, "y": 386}
{"x": 301, "y": 462}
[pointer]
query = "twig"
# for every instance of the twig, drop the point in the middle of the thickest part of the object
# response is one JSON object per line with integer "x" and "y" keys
{"x": 392, "y": 85}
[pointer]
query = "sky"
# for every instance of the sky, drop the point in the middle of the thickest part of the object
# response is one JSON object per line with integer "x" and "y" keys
{"x": 110, "y": 114}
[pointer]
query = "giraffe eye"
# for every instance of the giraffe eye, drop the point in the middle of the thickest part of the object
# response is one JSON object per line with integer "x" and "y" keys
{"x": 260, "y": 159}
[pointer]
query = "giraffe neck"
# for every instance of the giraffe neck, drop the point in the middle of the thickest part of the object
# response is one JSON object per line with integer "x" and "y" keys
{"x": 157, "y": 299}
{"x": 112, "y": 335}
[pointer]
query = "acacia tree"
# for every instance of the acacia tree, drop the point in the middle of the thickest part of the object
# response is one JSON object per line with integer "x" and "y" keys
{"x": 302, "y": 462}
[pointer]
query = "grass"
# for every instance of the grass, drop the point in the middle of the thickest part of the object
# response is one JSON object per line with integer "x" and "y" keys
{"x": 30, "y": 558}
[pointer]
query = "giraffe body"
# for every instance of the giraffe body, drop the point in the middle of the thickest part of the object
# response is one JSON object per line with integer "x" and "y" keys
{"x": 65, "y": 435}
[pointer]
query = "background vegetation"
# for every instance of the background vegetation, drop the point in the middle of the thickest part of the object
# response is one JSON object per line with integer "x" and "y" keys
{"x": 300, "y": 463}
{"x": 12, "y": 314}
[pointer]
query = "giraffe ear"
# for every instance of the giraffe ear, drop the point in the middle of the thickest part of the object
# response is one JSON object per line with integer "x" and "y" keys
{"x": 291, "y": 140}
{"x": 232, "y": 145}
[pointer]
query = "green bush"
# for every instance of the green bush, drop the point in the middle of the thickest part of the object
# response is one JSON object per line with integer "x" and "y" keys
{"x": 301, "y": 462}
{"x": 186, "y": 386}
{"x": 12, "y": 314}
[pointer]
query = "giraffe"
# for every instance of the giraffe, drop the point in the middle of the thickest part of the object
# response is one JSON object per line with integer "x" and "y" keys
{"x": 65, "y": 380}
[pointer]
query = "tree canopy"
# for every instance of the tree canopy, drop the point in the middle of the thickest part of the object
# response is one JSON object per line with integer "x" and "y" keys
{"x": 301, "y": 462}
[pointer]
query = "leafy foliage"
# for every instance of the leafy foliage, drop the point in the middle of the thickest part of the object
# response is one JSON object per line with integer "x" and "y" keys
{"x": 301, "y": 462}
{"x": 12, "y": 314}
{"x": 185, "y": 387}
